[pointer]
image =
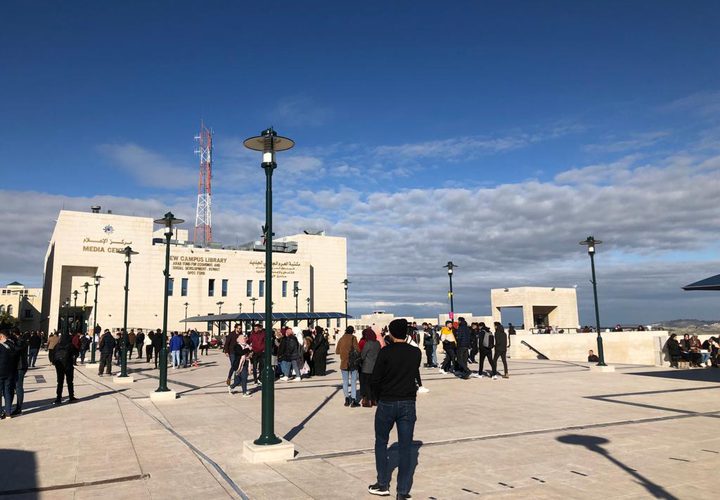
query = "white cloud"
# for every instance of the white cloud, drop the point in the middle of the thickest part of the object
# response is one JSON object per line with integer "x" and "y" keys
{"x": 633, "y": 142}
{"x": 300, "y": 111}
{"x": 148, "y": 168}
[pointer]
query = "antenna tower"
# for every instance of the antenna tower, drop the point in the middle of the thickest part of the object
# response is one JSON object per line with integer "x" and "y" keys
{"x": 203, "y": 214}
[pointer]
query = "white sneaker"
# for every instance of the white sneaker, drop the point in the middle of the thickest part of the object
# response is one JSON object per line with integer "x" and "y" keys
{"x": 494, "y": 377}
{"x": 284, "y": 379}
{"x": 442, "y": 371}
{"x": 296, "y": 379}
{"x": 247, "y": 395}
{"x": 229, "y": 390}
{"x": 475, "y": 375}
{"x": 423, "y": 390}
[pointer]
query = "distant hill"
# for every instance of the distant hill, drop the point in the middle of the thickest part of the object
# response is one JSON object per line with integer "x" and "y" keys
{"x": 694, "y": 326}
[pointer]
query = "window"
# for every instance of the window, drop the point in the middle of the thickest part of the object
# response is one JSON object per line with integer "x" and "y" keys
{"x": 327, "y": 323}
{"x": 261, "y": 292}
{"x": 224, "y": 288}
{"x": 284, "y": 288}
{"x": 248, "y": 291}
{"x": 171, "y": 286}
{"x": 183, "y": 287}
{"x": 211, "y": 288}
{"x": 338, "y": 323}
{"x": 28, "y": 314}
{"x": 10, "y": 310}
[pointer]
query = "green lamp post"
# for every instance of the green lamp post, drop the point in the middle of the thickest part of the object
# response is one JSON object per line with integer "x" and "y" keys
{"x": 268, "y": 142}
{"x": 345, "y": 284}
{"x": 296, "y": 294}
{"x": 128, "y": 253}
{"x": 97, "y": 279}
{"x": 450, "y": 266}
{"x": 591, "y": 243}
{"x": 86, "y": 285}
{"x": 168, "y": 221}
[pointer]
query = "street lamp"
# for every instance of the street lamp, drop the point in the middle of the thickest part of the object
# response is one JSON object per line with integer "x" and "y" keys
{"x": 97, "y": 279}
{"x": 168, "y": 221}
{"x": 66, "y": 306}
{"x": 253, "y": 300}
{"x": 296, "y": 294}
{"x": 268, "y": 142}
{"x": 219, "y": 304}
{"x": 128, "y": 252}
{"x": 186, "y": 304}
{"x": 345, "y": 283}
{"x": 86, "y": 285}
{"x": 450, "y": 266}
{"x": 75, "y": 294}
{"x": 590, "y": 243}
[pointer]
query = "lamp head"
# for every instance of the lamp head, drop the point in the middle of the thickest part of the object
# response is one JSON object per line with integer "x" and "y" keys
{"x": 590, "y": 242}
{"x": 128, "y": 252}
{"x": 450, "y": 266}
{"x": 269, "y": 142}
{"x": 97, "y": 279}
{"x": 169, "y": 220}
{"x": 75, "y": 293}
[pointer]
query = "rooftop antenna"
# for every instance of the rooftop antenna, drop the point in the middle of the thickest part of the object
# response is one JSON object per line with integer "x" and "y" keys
{"x": 203, "y": 214}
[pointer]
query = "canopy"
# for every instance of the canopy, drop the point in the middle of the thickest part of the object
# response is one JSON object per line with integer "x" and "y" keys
{"x": 711, "y": 283}
{"x": 260, "y": 316}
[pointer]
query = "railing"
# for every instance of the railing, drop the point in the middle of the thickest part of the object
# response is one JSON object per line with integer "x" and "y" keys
{"x": 540, "y": 355}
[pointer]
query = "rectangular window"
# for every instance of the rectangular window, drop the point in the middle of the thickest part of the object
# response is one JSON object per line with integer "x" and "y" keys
{"x": 327, "y": 323}
{"x": 211, "y": 288}
{"x": 248, "y": 289}
{"x": 261, "y": 285}
{"x": 338, "y": 323}
{"x": 28, "y": 314}
{"x": 224, "y": 288}
{"x": 171, "y": 286}
{"x": 183, "y": 287}
{"x": 284, "y": 288}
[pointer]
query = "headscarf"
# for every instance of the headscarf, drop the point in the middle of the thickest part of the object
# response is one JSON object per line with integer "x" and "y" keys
{"x": 368, "y": 334}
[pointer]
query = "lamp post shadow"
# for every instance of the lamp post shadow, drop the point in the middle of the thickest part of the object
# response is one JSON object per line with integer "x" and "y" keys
{"x": 594, "y": 444}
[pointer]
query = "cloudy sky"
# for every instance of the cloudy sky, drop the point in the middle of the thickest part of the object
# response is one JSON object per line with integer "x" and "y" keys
{"x": 493, "y": 134}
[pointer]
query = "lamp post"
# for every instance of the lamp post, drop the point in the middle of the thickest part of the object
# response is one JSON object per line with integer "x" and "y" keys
{"x": 86, "y": 285}
{"x": 590, "y": 243}
{"x": 168, "y": 221}
{"x": 450, "y": 266}
{"x": 75, "y": 294}
{"x": 97, "y": 279}
{"x": 186, "y": 304}
{"x": 268, "y": 142}
{"x": 66, "y": 306}
{"x": 345, "y": 283}
{"x": 296, "y": 294}
{"x": 128, "y": 252}
{"x": 219, "y": 304}
{"x": 253, "y": 300}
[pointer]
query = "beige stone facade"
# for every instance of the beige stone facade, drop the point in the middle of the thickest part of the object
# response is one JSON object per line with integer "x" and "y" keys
{"x": 85, "y": 244}
{"x": 555, "y": 307}
{"x": 23, "y": 304}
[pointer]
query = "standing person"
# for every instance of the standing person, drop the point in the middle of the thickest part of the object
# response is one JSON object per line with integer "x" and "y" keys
{"x": 229, "y": 350}
{"x": 345, "y": 346}
{"x": 106, "y": 346}
{"x": 149, "y": 341}
{"x": 34, "y": 348}
{"x": 21, "y": 348}
{"x": 195, "y": 337}
{"x": 139, "y": 343}
{"x": 307, "y": 353}
{"x": 186, "y": 349}
{"x": 53, "y": 340}
{"x": 65, "y": 368}
{"x": 157, "y": 345}
{"x": 8, "y": 367}
{"x": 501, "y": 341}
{"x": 243, "y": 353}
{"x": 205, "y": 344}
{"x": 369, "y": 354}
{"x": 291, "y": 355}
{"x": 395, "y": 380}
{"x": 428, "y": 344}
{"x": 84, "y": 346}
{"x": 487, "y": 342}
{"x": 118, "y": 345}
{"x": 447, "y": 337}
{"x": 75, "y": 339}
{"x": 257, "y": 342}
{"x": 463, "y": 342}
{"x": 474, "y": 335}
{"x": 131, "y": 339}
{"x": 320, "y": 347}
{"x": 176, "y": 345}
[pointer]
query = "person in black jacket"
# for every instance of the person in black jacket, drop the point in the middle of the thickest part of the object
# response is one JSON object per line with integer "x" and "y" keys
{"x": 486, "y": 343}
{"x": 320, "y": 347}
{"x": 8, "y": 368}
{"x": 21, "y": 350}
{"x": 139, "y": 343}
{"x": 107, "y": 347}
{"x": 34, "y": 348}
{"x": 474, "y": 334}
{"x": 63, "y": 360}
{"x": 501, "y": 344}
{"x": 674, "y": 350}
{"x": 462, "y": 334}
{"x": 395, "y": 381}
{"x": 157, "y": 345}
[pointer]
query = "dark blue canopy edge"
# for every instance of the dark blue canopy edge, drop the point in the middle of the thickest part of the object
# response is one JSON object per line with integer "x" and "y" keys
{"x": 711, "y": 283}
{"x": 260, "y": 316}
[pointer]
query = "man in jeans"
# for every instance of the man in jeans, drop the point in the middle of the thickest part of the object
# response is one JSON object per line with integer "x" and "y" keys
{"x": 395, "y": 380}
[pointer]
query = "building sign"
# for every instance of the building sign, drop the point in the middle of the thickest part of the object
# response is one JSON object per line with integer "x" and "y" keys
{"x": 279, "y": 269}
{"x": 105, "y": 245}
{"x": 192, "y": 265}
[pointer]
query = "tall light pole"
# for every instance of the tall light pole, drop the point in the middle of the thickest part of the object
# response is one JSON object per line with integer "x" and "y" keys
{"x": 168, "y": 221}
{"x": 253, "y": 300}
{"x": 591, "y": 243}
{"x": 86, "y": 285}
{"x": 66, "y": 305}
{"x": 128, "y": 252}
{"x": 345, "y": 283}
{"x": 268, "y": 142}
{"x": 296, "y": 294}
{"x": 219, "y": 304}
{"x": 450, "y": 266}
{"x": 97, "y": 279}
{"x": 186, "y": 304}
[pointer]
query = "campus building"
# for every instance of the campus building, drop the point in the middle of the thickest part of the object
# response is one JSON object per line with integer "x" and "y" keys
{"x": 204, "y": 281}
{"x": 22, "y": 304}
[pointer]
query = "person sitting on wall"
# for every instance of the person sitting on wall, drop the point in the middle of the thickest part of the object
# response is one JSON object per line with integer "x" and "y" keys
{"x": 592, "y": 357}
{"x": 674, "y": 350}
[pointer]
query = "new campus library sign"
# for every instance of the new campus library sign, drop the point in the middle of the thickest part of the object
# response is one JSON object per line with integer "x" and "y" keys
{"x": 196, "y": 265}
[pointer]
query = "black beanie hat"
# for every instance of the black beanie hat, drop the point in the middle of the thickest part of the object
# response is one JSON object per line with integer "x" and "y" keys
{"x": 398, "y": 328}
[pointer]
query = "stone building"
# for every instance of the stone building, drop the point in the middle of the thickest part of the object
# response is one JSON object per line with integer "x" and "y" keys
{"x": 23, "y": 304}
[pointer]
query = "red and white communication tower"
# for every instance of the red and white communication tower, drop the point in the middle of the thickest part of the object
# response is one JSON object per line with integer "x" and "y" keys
{"x": 203, "y": 213}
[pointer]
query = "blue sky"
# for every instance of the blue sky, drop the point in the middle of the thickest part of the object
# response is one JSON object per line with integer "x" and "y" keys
{"x": 512, "y": 125}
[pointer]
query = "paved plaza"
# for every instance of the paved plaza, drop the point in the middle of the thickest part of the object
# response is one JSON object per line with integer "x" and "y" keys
{"x": 552, "y": 430}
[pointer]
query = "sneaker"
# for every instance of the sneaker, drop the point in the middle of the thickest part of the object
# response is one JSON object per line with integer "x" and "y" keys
{"x": 284, "y": 378}
{"x": 379, "y": 490}
{"x": 3, "y": 416}
{"x": 423, "y": 390}
{"x": 475, "y": 375}
{"x": 402, "y": 496}
{"x": 494, "y": 377}
{"x": 58, "y": 401}
{"x": 72, "y": 399}
{"x": 442, "y": 371}
{"x": 16, "y": 412}
{"x": 506, "y": 376}
{"x": 230, "y": 388}
{"x": 296, "y": 379}
{"x": 247, "y": 395}
{"x": 347, "y": 403}
{"x": 354, "y": 403}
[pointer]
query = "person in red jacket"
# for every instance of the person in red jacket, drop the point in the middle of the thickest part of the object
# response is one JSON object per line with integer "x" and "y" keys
{"x": 257, "y": 343}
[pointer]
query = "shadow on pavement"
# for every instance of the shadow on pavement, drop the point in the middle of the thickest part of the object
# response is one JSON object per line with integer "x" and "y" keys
{"x": 17, "y": 474}
{"x": 39, "y": 405}
{"x": 414, "y": 459}
{"x": 697, "y": 374}
{"x": 594, "y": 444}
{"x": 299, "y": 427}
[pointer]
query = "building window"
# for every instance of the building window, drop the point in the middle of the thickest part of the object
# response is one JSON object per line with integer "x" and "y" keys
{"x": 327, "y": 323}
{"x": 338, "y": 323}
{"x": 171, "y": 286}
{"x": 284, "y": 288}
{"x": 248, "y": 290}
{"x": 10, "y": 310}
{"x": 211, "y": 288}
{"x": 224, "y": 288}
{"x": 183, "y": 287}
{"x": 261, "y": 285}
{"x": 28, "y": 314}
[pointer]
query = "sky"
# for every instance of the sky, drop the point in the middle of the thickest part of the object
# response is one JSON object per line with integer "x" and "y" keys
{"x": 496, "y": 134}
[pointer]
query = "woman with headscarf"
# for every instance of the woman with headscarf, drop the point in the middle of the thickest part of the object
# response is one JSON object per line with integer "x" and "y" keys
{"x": 243, "y": 353}
{"x": 63, "y": 359}
{"x": 320, "y": 347}
{"x": 369, "y": 353}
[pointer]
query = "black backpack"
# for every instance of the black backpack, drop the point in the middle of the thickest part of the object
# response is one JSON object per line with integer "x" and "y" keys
{"x": 354, "y": 359}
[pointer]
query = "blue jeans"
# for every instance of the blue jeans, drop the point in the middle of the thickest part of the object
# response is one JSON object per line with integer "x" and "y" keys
{"x": 434, "y": 355}
{"x": 175, "y": 358}
{"x": 185, "y": 357}
{"x": 389, "y": 413}
{"x": 6, "y": 393}
{"x": 350, "y": 392}
{"x": 241, "y": 378}
{"x": 285, "y": 366}
{"x": 32, "y": 357}
{"x": 19, "y": 389}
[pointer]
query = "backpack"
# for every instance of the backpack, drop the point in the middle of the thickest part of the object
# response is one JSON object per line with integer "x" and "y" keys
{"x": 354, "y": 359}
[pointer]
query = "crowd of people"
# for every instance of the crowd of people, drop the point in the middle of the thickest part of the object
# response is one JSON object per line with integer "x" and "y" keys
{"x": 691, "y": 350}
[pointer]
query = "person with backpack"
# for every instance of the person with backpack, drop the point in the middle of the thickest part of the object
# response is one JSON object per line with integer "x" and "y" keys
{"x": 369, "y": 354}
{"x": 65, "y": 368}
{"x": 350, "y": 360}
{"x": 487, "y": 343}
{"x": 84, "y": 346}
{"x": 501, "y": 345}
{"x": 289, "y": 355}
{"x": 107, "y": 347}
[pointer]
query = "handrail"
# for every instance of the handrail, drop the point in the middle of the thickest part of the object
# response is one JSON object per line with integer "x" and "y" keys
{"x": 540, "y": 355}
